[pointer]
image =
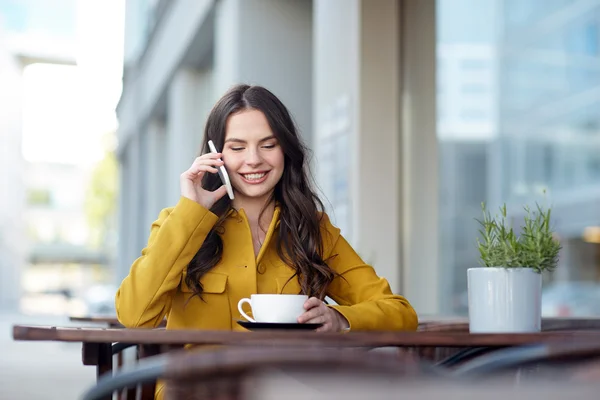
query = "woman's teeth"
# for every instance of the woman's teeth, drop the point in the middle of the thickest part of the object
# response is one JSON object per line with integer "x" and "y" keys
{"x": 254, "y": 177}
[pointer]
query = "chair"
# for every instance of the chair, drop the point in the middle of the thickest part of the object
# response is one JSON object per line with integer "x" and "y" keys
{"x": 222, "y": 373}
{"x": 451, "y": 357}
{"x": 548, "y": 360}
{"x": 117, "y": 349}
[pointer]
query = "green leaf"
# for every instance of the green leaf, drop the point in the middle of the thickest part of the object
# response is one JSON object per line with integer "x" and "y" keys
{"x": 534, "y": 247}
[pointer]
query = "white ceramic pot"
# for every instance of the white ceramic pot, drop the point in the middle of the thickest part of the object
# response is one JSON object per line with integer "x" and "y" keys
{"x": 504, "y": 300}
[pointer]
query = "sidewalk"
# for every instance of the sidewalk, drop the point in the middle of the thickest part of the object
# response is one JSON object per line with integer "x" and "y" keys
{"x": 40, "y": 370}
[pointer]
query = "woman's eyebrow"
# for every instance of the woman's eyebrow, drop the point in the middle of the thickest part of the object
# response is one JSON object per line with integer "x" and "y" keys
{"x": 243, "y": 141}
{"x": 266, "y": 138}
{"x": 235, "y": 140}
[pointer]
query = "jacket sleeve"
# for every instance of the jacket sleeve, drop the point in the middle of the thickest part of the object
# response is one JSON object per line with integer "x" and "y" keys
{"x": 364, "y": 299}
{"x": 144, "y": 297}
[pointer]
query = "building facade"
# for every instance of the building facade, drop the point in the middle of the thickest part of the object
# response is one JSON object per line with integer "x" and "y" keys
{"x": 416, "y": 111}
{"x": 336, "y": 65}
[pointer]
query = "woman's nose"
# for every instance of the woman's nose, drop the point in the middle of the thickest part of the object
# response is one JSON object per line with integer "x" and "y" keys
{"x": 253, "y": 158}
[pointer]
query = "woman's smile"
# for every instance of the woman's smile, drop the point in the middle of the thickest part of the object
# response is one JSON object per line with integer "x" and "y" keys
{"x": 255, "y": 177}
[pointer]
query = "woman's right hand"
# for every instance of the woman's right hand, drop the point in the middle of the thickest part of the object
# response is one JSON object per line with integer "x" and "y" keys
{"x": 191, "y": 180}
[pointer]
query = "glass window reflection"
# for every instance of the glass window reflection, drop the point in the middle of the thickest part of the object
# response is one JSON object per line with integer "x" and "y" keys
{"x": 533, "y": 67}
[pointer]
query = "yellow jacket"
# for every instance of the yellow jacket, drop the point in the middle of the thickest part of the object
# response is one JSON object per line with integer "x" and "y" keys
{"x": 155, "y": 286}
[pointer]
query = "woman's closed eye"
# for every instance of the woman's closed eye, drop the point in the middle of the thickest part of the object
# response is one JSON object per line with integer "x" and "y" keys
{"x": 265, "y": 146}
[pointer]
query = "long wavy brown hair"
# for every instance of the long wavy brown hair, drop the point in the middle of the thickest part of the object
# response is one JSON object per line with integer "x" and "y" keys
{"x": 299, "y": 238}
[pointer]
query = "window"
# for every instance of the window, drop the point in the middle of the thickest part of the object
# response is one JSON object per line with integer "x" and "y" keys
{"x": 474, "y": 88}
{"x": 537, "y": 99}
{"x": 474, "y": 115}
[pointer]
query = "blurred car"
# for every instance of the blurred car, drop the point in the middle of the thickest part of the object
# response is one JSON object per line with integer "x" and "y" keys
{"x": 571, "y": 299}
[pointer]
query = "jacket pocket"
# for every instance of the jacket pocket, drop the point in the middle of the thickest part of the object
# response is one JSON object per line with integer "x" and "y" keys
{"x": 288, "y": 285}
{"x": 209, "y": 311}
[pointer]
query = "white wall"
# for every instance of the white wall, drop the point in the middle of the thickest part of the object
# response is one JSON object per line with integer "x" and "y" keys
{"x": 185, "y": 123}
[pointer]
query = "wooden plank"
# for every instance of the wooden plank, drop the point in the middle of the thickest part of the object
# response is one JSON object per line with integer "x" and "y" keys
{"x": 90, "y": 353}
{"x": 100, "y": 355}
{"x": 104, "y": 359}
{"x": 375, "y": 339}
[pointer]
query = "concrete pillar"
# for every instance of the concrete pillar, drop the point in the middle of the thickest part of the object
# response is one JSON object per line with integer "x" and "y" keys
{"x": 205, "y": 99}
{"x": 422, "y": 280}
{"x": 155, "y": 173}
{"x": 357, "y": 127}
{"x": 378, "y": 161}
{"x": 130, "y": 240}
{"x": 137, "y": 242}
{"x": 375, "y": 110}
{"x": 268, "y": 43}
{"x": 142, "y": 229}
{"x": 123, "y": 262}
{"x": 336, "y": 115}
{"x": 185, "y": 123}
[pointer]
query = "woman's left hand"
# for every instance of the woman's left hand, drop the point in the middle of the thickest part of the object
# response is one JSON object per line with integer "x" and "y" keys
{"x": 318, "y": 313}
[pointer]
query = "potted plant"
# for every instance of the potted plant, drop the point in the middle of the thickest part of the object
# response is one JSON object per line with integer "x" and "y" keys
{"x": 505, "y": 293}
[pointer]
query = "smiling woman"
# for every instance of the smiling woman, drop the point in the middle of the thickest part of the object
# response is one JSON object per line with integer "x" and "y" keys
{"x": 208, "y": 252}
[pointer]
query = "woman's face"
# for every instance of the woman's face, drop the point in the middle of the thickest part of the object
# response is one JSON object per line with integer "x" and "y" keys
{"x": 252, "y": 155}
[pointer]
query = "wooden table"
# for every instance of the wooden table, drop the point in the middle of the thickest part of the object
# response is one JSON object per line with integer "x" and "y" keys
{"x": 97, "y": 342}
{"x": 351, "y": 339}
{"x": 461, "y": 324}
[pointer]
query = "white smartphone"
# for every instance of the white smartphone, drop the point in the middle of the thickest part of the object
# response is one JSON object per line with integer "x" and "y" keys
{"x": 222, "y": 172}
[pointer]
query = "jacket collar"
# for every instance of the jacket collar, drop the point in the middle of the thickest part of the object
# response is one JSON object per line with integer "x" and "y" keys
{"x": 240, "y": 215}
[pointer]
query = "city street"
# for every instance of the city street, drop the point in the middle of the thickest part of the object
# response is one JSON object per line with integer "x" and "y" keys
{"x": 40, "y": 370}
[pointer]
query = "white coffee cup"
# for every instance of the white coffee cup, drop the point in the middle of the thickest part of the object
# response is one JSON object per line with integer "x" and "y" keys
{"x": 274, "y": 308}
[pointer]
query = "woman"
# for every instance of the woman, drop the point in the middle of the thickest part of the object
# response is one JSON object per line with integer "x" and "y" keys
{"x": 208, "y": 252}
